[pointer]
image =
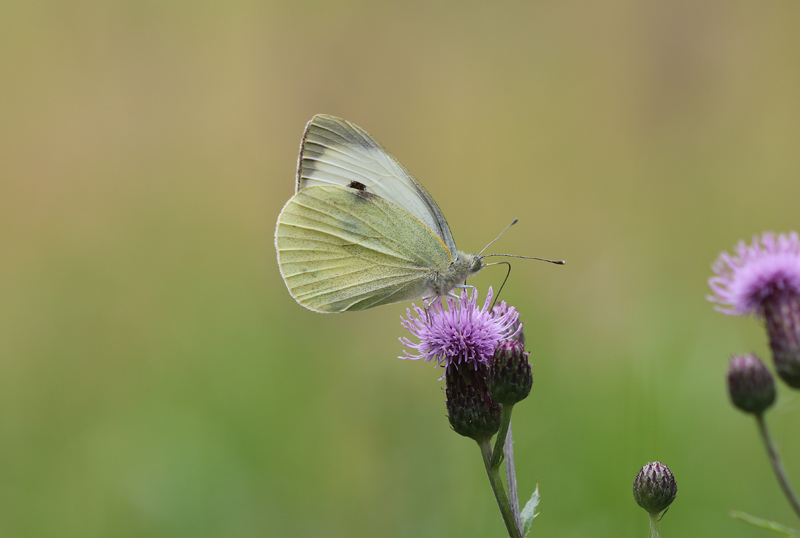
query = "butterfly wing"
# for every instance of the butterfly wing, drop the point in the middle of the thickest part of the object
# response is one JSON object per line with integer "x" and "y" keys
{"x": 336, "y": 152}
{"x": 343, "y": 249}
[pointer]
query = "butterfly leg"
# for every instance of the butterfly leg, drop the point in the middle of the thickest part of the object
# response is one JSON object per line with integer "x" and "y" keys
{"x": 462, "y": 287}
{"x": 428, "y": 301}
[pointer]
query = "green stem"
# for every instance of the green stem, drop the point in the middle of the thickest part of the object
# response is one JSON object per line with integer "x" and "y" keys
{"x": 502, "y": 433}
{"x": 654, "y": 525}
{"x": 777, "y": 466}
{"x": 498, "y": 490}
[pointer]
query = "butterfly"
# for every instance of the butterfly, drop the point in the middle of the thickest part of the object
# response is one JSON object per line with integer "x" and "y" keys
{"x": 360, "y": 230}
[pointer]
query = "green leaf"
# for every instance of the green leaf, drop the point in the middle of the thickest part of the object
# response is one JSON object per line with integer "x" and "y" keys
{"x": 529, "y": 512}
{"x": 764, "y": 524}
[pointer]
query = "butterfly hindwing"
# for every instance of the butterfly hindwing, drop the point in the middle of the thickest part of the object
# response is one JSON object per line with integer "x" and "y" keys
{"x": 342, "y": 248}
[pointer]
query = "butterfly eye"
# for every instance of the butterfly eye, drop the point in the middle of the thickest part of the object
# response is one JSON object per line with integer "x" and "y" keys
{"x": 477, "y": 265}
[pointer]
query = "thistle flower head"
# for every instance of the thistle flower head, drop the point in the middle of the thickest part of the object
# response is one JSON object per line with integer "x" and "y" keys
{"x": 462, "y": 333}
{"x": 744, "y": 282}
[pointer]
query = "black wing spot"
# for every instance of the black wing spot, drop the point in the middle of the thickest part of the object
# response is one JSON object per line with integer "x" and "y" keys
{"x": 357, "y": 185}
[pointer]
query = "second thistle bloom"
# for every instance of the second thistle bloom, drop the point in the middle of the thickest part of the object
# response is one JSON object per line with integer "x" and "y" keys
{"x": 763, "y": 279}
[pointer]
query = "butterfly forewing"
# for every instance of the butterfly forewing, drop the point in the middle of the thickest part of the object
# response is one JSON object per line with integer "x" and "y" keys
{"x": 339, "y": 249}
{"x": 336, "y": 152}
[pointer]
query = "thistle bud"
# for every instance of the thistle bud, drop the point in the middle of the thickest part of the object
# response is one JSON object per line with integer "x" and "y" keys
{"x": 750, "y": 385}
{"x": 470, "y": 409}
{"x": 654, "y": 487}
{"x": 510, "y": 378}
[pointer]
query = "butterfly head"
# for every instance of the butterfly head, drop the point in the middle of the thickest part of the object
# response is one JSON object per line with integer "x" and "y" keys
{"x": 475, "y": 263}
{"x": 467, "y": 265}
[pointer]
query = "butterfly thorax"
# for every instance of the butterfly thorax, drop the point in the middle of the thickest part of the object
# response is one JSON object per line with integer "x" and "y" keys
{"x": 442, "y": 282}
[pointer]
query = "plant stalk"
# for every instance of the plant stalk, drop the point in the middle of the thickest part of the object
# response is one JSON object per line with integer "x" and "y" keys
{"x": 502, "y": 434}
{"x": 498, "y": 489}
{"x": 777, "y": 466}
{"x": 654, "y": 525}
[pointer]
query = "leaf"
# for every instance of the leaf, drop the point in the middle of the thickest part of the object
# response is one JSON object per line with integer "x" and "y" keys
{"x": 764, "y": 524}
{"x": 529, "y": 512}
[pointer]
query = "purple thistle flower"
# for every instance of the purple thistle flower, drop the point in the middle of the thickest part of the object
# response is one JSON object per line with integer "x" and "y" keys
{"x": 745, "y": 282}
{"x": 764, "y": 280}
{"x": 462, "y": 333}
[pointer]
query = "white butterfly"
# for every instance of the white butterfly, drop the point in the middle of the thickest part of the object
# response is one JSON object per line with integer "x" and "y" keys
{"x": 360, "y": 230}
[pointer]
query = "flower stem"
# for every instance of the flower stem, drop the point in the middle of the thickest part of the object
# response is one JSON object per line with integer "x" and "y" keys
{"x": 777, "y": 466}
{"x": 502, "y": 434}
{"x": 498, "y": 490}
{"x": 654, "y": 525}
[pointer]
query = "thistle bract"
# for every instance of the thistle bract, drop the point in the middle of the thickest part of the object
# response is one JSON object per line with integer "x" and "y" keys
{"x": 470, "y": 410}
{"x": 782, "y": 315}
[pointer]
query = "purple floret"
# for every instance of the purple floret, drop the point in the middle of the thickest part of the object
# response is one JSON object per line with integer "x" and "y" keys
{"x": 745, "y": 281}
{"x": 462, "y": 333}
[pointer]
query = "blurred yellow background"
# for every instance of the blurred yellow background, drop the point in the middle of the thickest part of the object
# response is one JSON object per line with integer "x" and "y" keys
{"x": 156, "y": 378}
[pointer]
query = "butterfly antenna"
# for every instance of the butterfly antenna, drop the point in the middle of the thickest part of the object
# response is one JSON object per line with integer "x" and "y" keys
{"x": 508, "y": 273}
{"x": 498, "y": 237}
{"x": 557, "y": 262}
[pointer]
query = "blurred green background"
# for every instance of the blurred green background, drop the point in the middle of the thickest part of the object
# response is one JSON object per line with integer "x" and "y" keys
{"x": 156, "y": 378}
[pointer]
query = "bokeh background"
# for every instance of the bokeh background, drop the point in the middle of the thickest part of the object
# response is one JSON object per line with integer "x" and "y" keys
{"x": 156, "y": 378}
